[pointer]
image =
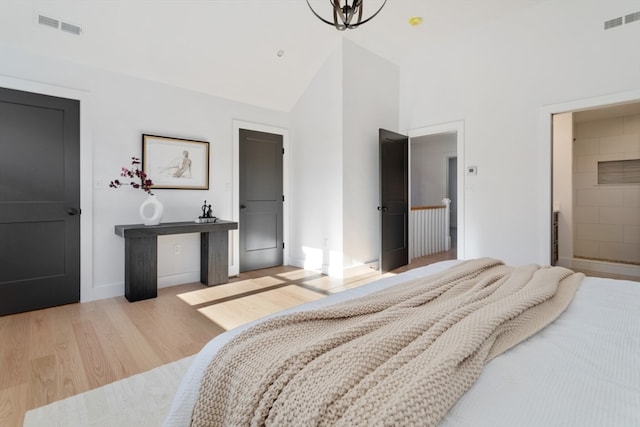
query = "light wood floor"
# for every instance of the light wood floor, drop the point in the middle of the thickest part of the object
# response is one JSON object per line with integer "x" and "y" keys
{"x": 47, "y": 355}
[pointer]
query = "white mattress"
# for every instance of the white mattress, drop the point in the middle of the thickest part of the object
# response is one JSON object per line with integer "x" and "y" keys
{"x": 582, "y": 370}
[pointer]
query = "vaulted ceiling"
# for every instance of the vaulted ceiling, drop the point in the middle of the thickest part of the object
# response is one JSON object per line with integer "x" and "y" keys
{"x": 229, "y": 48}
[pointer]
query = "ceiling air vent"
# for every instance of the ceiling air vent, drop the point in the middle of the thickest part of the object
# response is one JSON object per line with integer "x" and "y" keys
{"x": 632, "y": 17}
{"x": 70, "y": 28}
{"x": 612, "y": 23}
{"x": 49, "y": 22}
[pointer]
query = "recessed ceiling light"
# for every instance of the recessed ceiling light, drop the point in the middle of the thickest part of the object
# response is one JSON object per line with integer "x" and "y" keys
{"x": 414, "y": 21}
{"x": 280, "y": 53}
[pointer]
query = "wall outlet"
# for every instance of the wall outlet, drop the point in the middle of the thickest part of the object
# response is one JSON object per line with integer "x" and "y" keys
{"x": 176, "y": 249}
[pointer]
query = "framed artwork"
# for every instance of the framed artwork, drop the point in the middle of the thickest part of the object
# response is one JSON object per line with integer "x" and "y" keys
{"x": 176, "y": 163}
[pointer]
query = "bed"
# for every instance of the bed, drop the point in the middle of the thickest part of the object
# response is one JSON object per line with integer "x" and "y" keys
{"x": 582, "y": 369}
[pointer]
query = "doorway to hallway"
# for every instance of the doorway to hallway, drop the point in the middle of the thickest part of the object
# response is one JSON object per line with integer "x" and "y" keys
{"x": 437, "y": 156}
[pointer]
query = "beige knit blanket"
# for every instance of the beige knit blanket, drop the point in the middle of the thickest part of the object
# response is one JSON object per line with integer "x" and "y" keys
{"x": 402, "y": 356}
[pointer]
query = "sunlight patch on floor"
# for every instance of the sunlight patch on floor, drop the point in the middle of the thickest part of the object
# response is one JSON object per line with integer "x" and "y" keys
{"x": 357, "y": 281}
{"x": 236, "y": 312}
{"x": 297, "y": 275}
{"x": 212, "y": 294}
{"x": 353, "y": 278}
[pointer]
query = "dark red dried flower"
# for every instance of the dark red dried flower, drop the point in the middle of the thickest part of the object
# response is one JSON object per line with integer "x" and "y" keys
{"x": 145, "y": 183}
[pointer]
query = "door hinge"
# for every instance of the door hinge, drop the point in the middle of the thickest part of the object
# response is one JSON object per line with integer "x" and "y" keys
{"x": 283, "y": 151}
{"x": 282, "y": 245}
{"x": 283, "y": 197}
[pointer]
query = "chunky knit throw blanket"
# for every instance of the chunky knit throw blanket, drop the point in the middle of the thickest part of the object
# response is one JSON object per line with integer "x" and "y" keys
{"x": 401, "y": 356}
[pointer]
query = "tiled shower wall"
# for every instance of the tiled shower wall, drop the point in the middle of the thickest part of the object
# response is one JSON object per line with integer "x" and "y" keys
{"x": 606, "y": 217}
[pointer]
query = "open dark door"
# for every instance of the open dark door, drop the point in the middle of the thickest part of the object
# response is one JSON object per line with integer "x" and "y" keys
{"x": 261, "y": 200}
{"x": 39, "y": 201}
{"x": 394, "y": 200}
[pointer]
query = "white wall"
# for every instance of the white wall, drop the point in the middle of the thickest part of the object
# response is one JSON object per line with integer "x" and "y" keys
{"x": 429, "y": 165}
{"x": 371, "y": 95}
{"x": 498, "y": 80}
{"x": 316, "y": 168}
{"x": 115, "y": 111}
{"x": 334, "y": 133}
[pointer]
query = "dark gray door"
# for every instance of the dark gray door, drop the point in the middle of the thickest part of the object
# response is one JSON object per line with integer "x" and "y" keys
{"x": 394, "y": 200}
{"x": 453, "y": 196}
{"x": 453, "y": 190}
{"x": 261, "y": 200}
{"x": 39, "y": 201}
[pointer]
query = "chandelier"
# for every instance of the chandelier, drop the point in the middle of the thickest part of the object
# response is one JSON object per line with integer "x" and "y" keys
{"x": 348, "y": 15}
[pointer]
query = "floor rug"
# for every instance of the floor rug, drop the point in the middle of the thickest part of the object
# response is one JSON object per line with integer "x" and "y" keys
{"x": 140, "y": 400}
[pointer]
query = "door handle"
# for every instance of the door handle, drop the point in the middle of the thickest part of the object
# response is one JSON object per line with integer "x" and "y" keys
{"x": 73, "y": 211}
{"x": 242, "y": 207}
{"x": 383, "y": 208}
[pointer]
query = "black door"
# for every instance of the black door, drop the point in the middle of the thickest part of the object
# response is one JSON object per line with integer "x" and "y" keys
{"x": 39, "y": 201}
{"x": 394, "y": 200}
{"x": 261, "y": 200}
{"x": 453, "y": 196}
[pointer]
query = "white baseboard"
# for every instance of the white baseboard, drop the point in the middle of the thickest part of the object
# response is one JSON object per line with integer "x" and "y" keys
{"x": 375, "y": 264}
{"x": 178, "y": 279}
{"x": 117, "y": 289}
{"x": 102, "y": 292}
{"x": 296, "y": 262}
{"x": 327, "y": 270}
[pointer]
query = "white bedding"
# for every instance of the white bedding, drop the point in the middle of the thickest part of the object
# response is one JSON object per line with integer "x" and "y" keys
{"x": 582, "y": 370}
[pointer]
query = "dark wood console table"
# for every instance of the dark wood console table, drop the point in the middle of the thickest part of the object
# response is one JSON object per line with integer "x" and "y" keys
{"x": 141, "y": 254}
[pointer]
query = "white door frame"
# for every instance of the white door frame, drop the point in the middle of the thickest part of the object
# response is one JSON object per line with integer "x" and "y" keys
{"x": 458, "y": 128}
{"x": 234, "y": 266}
{"x": 545, "y": 133}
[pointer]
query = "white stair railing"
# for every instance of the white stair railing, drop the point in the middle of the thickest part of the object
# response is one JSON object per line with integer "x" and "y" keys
{"x": 430, "y": 229}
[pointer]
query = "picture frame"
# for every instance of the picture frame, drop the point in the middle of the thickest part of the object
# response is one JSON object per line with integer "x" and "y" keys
{"x": 176, "y": 163}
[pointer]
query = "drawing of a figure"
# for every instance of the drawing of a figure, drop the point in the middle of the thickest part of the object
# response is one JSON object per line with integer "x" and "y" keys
{"x": 184, "y": 165}
{"x": 179, "y": 167}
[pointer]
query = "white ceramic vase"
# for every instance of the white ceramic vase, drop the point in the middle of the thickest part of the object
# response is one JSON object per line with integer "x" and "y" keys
{"x": 151, "y": 211}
